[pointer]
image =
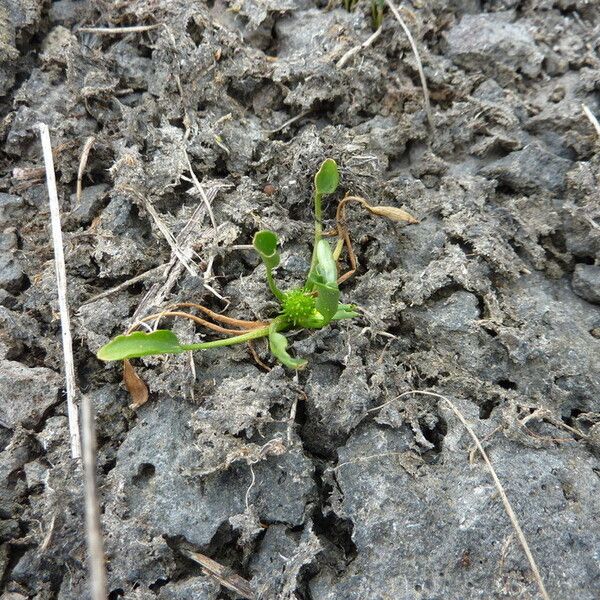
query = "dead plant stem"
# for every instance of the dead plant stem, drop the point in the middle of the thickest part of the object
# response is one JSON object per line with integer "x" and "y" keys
{"x": 84, "y": 446}
{"x": 356, "y": 49}
{"x": 119, "y": 30}
{"x": 507, "y": 505}
{"x": 82, "y": 164}
{"x": 415, "y": 51}
{"x": 201, "y": 191}
{"x": 61, "y": 284}
{"x": 93, "y": 524}
{"x": 592, "y": 118}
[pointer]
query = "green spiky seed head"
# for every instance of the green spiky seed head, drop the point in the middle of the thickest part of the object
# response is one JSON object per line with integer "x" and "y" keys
{"x": 297, "y": 306}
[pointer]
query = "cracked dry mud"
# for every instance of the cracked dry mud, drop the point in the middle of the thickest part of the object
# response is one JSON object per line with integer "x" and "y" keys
{"x": 492, "y": 299}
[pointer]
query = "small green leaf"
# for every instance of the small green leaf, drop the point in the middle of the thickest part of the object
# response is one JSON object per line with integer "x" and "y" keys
{"x": 139, "y": 344}
{"x": 265, "y": 243}
{"x": 327, "y": 300}
{"x": 278, "y": 345}
{"x": 345, "y": 311}
{"x": 328, "y": 178}
{"x": 326, "y": 266}
{"x": 324, "y": 281}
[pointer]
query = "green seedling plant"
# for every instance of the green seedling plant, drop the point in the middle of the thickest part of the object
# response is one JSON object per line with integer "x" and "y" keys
{"x": 377, "y": 7}
{"x": 314, "y": 305}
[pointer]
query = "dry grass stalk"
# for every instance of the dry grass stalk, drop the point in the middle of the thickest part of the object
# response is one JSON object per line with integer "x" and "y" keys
{"x": 592, "y": 118}
{"x": 126, "y": 284}
{"x": 84, "y": 447}
{"x": 82, "y": 164}
{"x": 201, "y": 191}
{"x": 356, "y": 49}
{"x": 224, "y": 575}
{"x": 288, "y": 122}
{"x": 119, "y": 30}
{"x": 415, "y": 51}
{"x": 159, "y": 291}
{"x": 177, "y": 250}
{"x": 61, "y": 284}
{"x": 507, "y": 505}
{"x": 93, "y": 524}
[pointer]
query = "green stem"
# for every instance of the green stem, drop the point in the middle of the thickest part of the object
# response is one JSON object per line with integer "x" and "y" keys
{"x": 318, "y": 231}
{"x": 273, "y": 286}
{"x": 238, "y": 339}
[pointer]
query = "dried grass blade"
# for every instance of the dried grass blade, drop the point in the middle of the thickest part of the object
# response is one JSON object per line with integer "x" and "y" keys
{"x": 82, "y": 164}
{"x": 224, "y": 575}
{"x": 61, "y": 284}
{"x": 84, "y": 447}
{"x": 415, "y": 51}
{"x": 505, "y": 501}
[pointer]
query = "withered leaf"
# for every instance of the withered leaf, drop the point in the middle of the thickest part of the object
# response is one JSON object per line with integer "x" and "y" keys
{"x": 391, "y": 212}
{"x": 135, "y": 385}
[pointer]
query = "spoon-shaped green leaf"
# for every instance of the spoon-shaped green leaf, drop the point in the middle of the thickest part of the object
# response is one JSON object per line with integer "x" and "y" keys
{"x": 139, "y": 344}
{"x": 163, "y": 341}
{"x": 324, "y": 282}
{"x": 265, "y": 243}
{"x": 327, "y": 178}
{"x": 278, "y": 346}
{"x": 326, "y": 266}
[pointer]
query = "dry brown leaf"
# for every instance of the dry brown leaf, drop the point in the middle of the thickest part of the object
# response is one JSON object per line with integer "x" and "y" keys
{"x": 135, "y": 385}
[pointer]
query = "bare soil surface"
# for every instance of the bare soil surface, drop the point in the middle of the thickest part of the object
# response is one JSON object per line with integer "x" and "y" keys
{"x": 301, "y": 485}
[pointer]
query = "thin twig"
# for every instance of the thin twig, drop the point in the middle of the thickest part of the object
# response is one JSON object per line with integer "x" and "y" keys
{"x": 219, "y": 317}
{"x": 224, "y": 575}
{"x": 126, "y": 284}
{"x": 356, "y": 49}
{"x": 256, "y": 357}
{"x": 61, "y": 284}
{"x": 119, "y": 30}
{"x": 44, "y": 545}
{"x": 185, "y": 239}
{"x": 292, "y": 420}
{"x": 93, "y": 524}
{"x": 177, "y": 66}
{"x": 367, "y": 458}
{"x": 590, "y": 115}
{"x": 200, "y": 190}
{"x": 82, "y": 163}
{"x": 87, "y": 443}
{"x": 288, "y": 122}
{"x": 545, "y": 415}
{"x": 177, "y": 250}
{"x": 247, "y": 498}
{"x": 184, "y": 315}
{"x": 507, "y": 506}
{"x": 193, "y": 372}
{"x": 415, "y": 51}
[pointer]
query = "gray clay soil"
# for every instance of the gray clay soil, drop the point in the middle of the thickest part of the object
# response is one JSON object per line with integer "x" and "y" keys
{"x": 491, "y": 300}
